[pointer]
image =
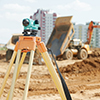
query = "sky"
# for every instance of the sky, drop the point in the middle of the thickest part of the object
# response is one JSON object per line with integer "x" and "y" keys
{"x": 12, "y": 12}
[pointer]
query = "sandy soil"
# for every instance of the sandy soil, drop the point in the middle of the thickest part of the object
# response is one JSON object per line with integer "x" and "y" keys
{"x": 82, "y": 78}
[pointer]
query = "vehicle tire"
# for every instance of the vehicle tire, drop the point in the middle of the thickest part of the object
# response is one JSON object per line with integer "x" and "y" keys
{"x": 9, "y": 54}
{"x": 82, "y": 54}
{"x": 68, "y": 54}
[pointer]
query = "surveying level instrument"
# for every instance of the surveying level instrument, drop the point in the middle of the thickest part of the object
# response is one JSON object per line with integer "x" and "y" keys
{"x": 31, "y": 26}
{"x": 28, "y": 43}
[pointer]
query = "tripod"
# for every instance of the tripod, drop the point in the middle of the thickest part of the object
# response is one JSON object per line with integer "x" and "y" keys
{"x": 28, "y": 44}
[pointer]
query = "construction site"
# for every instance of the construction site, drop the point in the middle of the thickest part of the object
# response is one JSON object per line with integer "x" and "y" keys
{"x": 78, "y": 63}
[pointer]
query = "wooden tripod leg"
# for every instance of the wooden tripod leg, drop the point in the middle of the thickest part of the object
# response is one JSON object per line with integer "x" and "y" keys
{"x": 7, "y": 73}
{"x": 28, "y": 75}
{"x": 19, "y": 67}
{"x": 14, "y": 75}
{"x": 54, "y": 74}
{"x": 43, "y": 50}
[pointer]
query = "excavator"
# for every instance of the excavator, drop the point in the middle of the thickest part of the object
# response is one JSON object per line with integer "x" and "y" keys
{"x": 62, "y": 44}
{"x": 90, "y": 31}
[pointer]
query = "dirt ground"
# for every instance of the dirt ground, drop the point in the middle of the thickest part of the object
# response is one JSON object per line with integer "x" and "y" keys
{"x": 82, "y": 78}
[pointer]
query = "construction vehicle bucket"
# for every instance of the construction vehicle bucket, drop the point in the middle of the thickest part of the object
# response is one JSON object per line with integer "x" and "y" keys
{"x": 61, "y": 35}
